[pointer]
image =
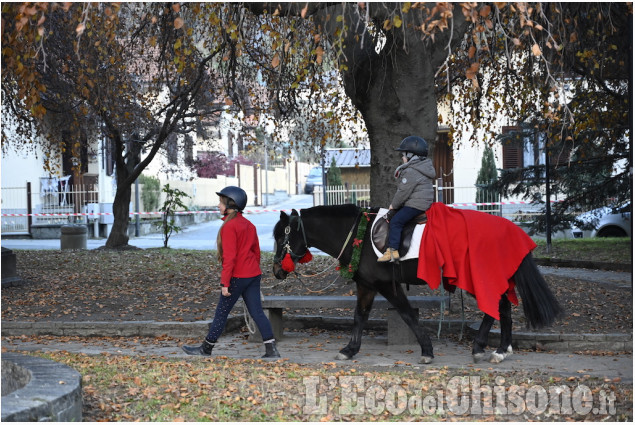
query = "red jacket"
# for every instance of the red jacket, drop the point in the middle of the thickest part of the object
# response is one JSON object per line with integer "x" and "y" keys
{"x": 241, "y": 249}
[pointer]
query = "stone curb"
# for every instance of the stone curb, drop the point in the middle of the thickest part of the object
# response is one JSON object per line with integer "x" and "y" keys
{"x": 116, "y": 329}
{"x": 564, "y": 343}
{"x": 579, "y": 264}
{"x": 523, "y": 340}
{"x": 53, "y": 392}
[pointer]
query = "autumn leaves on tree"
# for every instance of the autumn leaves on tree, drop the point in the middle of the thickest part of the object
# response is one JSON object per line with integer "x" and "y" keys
{"x": 139, "y": 73}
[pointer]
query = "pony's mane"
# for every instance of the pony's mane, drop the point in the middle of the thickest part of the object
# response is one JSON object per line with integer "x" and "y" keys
{"x": 333, "y": 211}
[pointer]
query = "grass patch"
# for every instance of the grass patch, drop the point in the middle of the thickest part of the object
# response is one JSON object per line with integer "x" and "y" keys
{"x": 609, "y": 250}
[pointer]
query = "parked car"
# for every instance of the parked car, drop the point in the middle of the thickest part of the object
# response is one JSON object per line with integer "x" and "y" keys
{"x": 604, "y": 222}
{"x": 314, "y": 178}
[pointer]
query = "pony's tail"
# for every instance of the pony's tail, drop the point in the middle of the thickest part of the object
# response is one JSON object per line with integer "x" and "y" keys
{"x": 539, "y": 304}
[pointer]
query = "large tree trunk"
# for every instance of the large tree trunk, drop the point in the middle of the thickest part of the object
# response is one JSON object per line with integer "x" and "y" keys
{"x": 121, "y": 210}
{"x": 400, "y": 103}
{"x": 126, "y": 171}
{"x": 393, "y": 89}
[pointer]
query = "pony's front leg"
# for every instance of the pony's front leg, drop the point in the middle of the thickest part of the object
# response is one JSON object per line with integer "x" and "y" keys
{"x": 505, "y": 348}
{"x": 365, "y": 299}
{"x": 399, "y": 300}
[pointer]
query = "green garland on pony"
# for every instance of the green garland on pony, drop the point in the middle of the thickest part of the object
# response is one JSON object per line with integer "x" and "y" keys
{"x": 358, "y": 243}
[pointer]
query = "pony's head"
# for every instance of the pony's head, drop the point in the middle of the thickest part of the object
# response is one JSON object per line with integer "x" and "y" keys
{"x": 290, "y": 246}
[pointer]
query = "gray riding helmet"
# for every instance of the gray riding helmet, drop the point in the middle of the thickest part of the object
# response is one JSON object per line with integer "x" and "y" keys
{"x": 414, "y": 144}
{"x": 236, "y": 194}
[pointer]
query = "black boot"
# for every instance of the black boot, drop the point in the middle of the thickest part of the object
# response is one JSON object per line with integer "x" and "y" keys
{"x": 205, "y": 349}
{"x": 270, "y": 350}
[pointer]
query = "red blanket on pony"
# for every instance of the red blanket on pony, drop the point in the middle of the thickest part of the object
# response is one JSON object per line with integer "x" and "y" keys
{"x": 475, "y": 251}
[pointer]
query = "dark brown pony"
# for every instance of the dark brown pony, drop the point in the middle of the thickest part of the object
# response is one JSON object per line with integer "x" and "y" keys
{"x": 328, "y": 228}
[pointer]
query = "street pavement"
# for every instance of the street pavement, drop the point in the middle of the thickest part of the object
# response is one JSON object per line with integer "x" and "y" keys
{"x": 305, "y": 347}
{"x": 200, "y": 236}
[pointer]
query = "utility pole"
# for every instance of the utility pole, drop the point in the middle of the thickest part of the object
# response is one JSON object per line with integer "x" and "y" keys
{"x": 266, "y": 172}
{"x": 322, "y": 162}
{"x": 548, "y": 194}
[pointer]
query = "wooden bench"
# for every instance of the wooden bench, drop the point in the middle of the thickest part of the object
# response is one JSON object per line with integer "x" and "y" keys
{"x": 398, "y": 332}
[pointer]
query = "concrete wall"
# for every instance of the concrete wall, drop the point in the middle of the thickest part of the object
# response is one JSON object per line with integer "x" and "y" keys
{"x": 256, "y": 181}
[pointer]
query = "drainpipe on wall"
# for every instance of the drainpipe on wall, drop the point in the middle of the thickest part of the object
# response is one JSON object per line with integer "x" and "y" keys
{"x": 29, "y": 207}
{"x": 256, "y": 184}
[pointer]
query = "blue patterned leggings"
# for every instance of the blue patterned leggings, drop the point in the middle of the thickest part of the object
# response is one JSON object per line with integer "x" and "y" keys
{"x": 249, "y": 289}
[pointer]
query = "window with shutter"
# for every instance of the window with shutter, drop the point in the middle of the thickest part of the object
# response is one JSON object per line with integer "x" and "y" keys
{"x": 172, "y": 149}
{"x": 110, "y": 156}
{"x": 512, "y": 149}
{"x": 443, "y": 160}
{"x": 188, "y": 150}
{"x": 512, "y": 156}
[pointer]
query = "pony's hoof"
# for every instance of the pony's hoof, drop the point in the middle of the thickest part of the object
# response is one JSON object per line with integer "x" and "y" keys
{"x": 478, "y": 356}
{"x": 496, "y": 357}
{"x": 426, "y": 359}
{"x": 499, "y": 357}
{"x": 341, "y": 356}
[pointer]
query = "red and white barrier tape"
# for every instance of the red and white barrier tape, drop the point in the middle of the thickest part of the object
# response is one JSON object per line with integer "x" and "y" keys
{"x": 131, "y": 213}
{"x": 473, "y": 204}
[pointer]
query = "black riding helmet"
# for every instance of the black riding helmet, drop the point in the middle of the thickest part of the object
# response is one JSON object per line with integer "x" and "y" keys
{"x": 236, "y": 194}
{"x": 414, "y": 144}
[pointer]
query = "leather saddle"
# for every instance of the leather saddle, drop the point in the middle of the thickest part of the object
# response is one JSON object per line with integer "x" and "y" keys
{"x": 382, "y": 228}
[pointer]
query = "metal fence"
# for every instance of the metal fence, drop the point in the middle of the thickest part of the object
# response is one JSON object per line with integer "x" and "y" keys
{"x": 23, "y": 207}
{"x": 15, "y": 201}
{"x": 468, "y": 197}
{"x": 64, "y": 204}
{"x": 475, "y": 198}
{"x": 355, "y": 194}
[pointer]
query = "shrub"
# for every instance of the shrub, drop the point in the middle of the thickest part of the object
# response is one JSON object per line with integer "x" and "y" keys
{"x": 173, "y": 202}
{"x": 150, "y": 192}
{"x": 486, "y": 176}
{"x": 334, "y": 175}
